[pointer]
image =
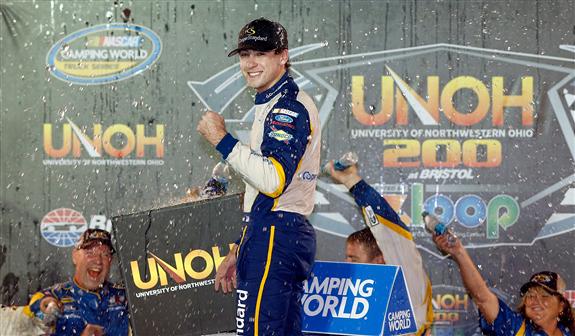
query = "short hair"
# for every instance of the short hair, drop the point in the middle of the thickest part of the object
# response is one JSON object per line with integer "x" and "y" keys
{"x": 365, "y": 237}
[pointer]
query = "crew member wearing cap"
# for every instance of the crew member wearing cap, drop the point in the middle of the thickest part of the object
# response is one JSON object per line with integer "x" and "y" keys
{"x": 543, "y": 309}
{"x": 279, "y": 167}
{"x": 88, "y": 305}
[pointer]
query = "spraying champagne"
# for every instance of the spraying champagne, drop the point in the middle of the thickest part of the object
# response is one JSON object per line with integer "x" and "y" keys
{"x": 217, "y": 185}
{"x": 345, "y": 161}
{"x": 434, "y": 226}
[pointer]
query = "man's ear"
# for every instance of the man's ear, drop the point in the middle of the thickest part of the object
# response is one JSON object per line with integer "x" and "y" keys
{"x": 284, "y": 57}
{"x": 75, "y": 256}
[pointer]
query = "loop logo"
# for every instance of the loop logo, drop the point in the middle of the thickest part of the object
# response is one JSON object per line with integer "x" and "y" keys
{"x": 103, "y": 54}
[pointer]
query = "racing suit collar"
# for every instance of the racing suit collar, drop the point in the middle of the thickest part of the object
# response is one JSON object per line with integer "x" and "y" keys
{"x": 267, "y": 95}
{"x": 98, "y": 292}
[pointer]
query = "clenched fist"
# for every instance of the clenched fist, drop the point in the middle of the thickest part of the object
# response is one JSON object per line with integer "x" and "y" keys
{"x": 212, "y": 127}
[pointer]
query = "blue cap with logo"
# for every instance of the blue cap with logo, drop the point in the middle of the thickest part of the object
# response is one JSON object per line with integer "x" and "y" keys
{"x": 261, "y": 35}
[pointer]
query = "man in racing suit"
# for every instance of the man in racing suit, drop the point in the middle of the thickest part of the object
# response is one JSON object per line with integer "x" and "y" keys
{"x": 279, "y": 167}
{"x": 394, "y": 240}
{"x": 88, "y": 305}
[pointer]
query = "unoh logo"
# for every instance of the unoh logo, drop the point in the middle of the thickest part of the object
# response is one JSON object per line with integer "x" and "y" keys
{"x": 104, "y": 53}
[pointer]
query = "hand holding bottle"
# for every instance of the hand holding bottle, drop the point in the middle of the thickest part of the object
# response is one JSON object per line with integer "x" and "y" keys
{"x": 343, "y": 170}
{"x": 437, "y": 228}
{"x": 217, "y": 185}
{"x": 50, "y": 310}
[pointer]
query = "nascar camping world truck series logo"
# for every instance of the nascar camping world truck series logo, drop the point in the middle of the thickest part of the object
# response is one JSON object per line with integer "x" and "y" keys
{"x": 103, "y": 54}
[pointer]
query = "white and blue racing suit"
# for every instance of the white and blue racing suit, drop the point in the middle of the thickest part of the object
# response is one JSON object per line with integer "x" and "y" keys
{"x": 277, "y": 247}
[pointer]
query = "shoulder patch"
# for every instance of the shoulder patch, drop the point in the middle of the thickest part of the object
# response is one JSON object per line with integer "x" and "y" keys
{"x": 280, "y": 135}
{"x": 284, "y": 118}
{"x": 286, "y": 112}
{"x": 370, "y": 216}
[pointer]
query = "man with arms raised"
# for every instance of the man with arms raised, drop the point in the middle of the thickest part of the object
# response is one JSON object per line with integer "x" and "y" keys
{"x": 386, "y": 240}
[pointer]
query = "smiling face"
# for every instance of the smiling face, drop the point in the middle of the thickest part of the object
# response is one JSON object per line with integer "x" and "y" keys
{"x": 92, "y": 266}
{"x": 262, "y": 69}
{"x": 541, "y": 306}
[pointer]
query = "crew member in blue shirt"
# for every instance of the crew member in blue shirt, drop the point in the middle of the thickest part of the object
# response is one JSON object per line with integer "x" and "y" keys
{"x": 87, "y": 305}
{"x": 543, "y": 311}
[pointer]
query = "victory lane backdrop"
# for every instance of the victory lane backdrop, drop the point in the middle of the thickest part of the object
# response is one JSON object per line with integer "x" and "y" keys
{"x": 464, "y": 108}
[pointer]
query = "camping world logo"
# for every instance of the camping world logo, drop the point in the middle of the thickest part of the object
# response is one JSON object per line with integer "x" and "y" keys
{"x": 62, "y": 227}
{"x": 104, "y": 53}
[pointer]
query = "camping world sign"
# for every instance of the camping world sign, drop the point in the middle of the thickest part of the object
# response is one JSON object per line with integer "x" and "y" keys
{"x": 357, "y": 299}
{"x": 104, "y": 53}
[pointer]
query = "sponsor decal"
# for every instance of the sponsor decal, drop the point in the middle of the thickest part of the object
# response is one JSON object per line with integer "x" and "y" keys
{"x": 280, "y": 135}
{"x": 63, "y": 226}
{"x": 242, "y": 296}
{"x": 283, "y": 124}
{"x": 286, "y": 112}
{"x": 283, "y": 118}
{"x": 370, "y": 216}
{"x": 307, "y": 176}
{"x": 196, "y": 266}
{"x": 104, "y": 53}
{"x": 273, "y": 93}
{"x": 114, "y": 145}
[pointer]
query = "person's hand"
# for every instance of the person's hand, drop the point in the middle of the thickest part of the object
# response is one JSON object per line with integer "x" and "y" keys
{"x": 448, "y": 243}
{"x": 212, "y": 126}
{"x": 93, "y": 330}
{"x": 226, "y": 273}
{"x": 50, "y": 305}
{"x": 348, "y": 177}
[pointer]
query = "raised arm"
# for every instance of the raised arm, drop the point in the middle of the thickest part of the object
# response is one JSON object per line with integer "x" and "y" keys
{"x": 282, "y": 146}
{"x": 483, "y": 297}
{"x": 393, "y": 238}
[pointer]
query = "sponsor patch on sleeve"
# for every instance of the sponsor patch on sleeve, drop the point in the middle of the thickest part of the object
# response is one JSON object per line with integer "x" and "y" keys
{"x": 370, "y": 216}
{"x": 284, "y": 118}
{"x": 286, "y": 112}
{"x": 280, "y": 135}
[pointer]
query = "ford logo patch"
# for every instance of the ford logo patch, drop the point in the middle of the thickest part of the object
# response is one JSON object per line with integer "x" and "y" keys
{"x": 284, "y": 118}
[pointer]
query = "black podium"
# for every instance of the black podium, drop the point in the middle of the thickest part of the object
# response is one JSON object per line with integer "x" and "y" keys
{"x": 169, "y": 257}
